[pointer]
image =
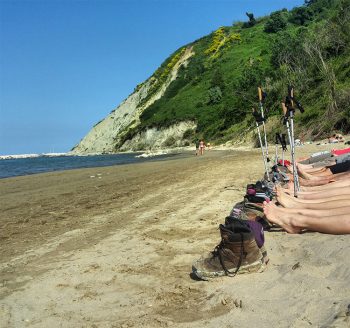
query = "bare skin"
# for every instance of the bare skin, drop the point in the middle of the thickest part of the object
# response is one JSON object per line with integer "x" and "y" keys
{"x": 310, "y": 167}
{"x": 334, "y": 184}
{"x": 322, "y": 180}
{"x": 296, "y": 223}
{"x": 312, "y": 183}
{"x": 321, "y": 203}
{"x": 316, "y": 213}
{"x": 321, "y": 193}
{"x": 309, "y": 176}
{"x": 312, "y": 170}
{"x": 323, "y": 173}
{"x": 306, "y": 166}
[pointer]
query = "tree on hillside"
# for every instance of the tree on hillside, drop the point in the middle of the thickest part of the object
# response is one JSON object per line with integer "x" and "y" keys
{"x": 301, "y": 15}
{"x": 319, "y": 5}
{"x": 217, "y": 80}
{"x": 276, "y": 22}
{"x": 214, "y": 96}
{"x": 252, "y": 20}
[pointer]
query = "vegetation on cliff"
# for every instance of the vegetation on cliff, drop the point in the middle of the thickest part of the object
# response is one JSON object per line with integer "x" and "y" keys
{"x": 308, "y": 47}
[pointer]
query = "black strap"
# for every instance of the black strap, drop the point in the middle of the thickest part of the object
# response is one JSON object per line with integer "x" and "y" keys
{"x": 290, "y": 99}
{"x": 277, "y": 138}
{"x": 219, "y": 249}
{"x": 258, "y": 117}
{"x": 284, "y": 142}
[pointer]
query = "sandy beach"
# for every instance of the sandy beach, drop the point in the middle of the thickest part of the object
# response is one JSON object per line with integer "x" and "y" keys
{"x": 113, "y": 247}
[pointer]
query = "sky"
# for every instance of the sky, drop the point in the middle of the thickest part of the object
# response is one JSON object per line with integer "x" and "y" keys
{"x": 66, "y": 64}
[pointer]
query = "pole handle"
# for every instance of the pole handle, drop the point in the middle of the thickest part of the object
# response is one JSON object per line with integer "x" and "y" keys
{"x": 260, "y": 94}
{"x": 291, "y": 95}
{"x": 284, "y": 109}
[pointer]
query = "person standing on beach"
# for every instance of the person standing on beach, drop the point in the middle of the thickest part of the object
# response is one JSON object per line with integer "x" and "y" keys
{"x": 197, "y": 147}
{"x": 201, "y": 147}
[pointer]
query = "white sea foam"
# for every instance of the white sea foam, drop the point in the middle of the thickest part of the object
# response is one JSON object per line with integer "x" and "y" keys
{"x": 151, "y": 154}
{"x": 31, "y": 155}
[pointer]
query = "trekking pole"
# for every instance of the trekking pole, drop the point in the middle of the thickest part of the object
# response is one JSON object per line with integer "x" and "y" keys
{"x": 292, "y": 147}
{"x": 259, "y": 119}
{"x": 262, "y": 96}
{"x": 291, "y": 143}
{"x": 290, "y": 103}
{"x": 290, "y": 138}
{"x": 284, "y": 147}
{"x": 285, "y": 121}
{"x": 277, "y": 137}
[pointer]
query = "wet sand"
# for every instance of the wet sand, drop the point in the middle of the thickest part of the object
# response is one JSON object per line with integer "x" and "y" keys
{"x": 113, "y": 247}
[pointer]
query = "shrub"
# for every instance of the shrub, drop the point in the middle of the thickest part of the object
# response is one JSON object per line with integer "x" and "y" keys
{"x": 169, "y": 142}
{"x": 276, "y": 23}
{"x": 188, "y": 134}
{"x": 300, "y": 15}
{"x": 252, "y": 21}
{"x": 214, "y": 95}
{"x": 199, "y": 104}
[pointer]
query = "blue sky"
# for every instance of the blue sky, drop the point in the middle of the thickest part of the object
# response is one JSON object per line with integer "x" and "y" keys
{"x": 64, "y": 65}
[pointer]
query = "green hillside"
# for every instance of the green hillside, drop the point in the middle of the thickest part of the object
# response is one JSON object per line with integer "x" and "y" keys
{"x": 307, "y": 47}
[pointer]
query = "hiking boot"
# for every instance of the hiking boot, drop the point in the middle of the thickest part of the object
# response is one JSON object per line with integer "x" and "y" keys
{"x": 257, "y": 227}
{"x": 237, "y": 253}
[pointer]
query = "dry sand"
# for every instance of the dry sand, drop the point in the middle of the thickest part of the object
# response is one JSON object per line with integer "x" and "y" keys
{"x": 115, "y": 250}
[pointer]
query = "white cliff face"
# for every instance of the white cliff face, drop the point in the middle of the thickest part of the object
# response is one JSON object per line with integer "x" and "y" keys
{"x": 104, "y": 136}
{"x": 155, "y": 138}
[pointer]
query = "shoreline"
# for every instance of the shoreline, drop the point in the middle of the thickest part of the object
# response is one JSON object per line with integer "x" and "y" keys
{"x": 116, "y": 250}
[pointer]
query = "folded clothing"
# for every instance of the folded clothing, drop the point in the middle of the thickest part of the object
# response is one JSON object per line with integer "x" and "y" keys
{"x": 318, "y": 157}
{"x": 342, "y": 158}
{"x": 340, "y": 167}
{"x": 257, "y": 199}
{"x": 320, "y": 153}
{"x": 258, "y": 192}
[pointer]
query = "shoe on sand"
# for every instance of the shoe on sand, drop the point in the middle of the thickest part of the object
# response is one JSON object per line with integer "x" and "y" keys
{"x": 237, "y": 253}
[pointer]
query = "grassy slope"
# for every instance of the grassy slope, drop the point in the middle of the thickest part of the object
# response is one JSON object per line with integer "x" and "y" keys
{"x": 243, "y": 66}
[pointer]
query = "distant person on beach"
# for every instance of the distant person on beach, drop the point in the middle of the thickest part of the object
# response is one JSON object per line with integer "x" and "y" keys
{"x": 197, "y": 147}
{"x": 201, "y": 147}
{"x": 339, "y": 137}
{"x": 333, "y": 139}
{"x": 208, "y": 145}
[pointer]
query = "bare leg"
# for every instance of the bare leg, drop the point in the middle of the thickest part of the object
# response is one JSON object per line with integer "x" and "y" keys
{"x": 322, "y": 173}
{"x": 312, "y": 183}
{"x": 339, "y": 184}
{"x": 322, "y": 203}
{"x": 309, "y": 176}
{"x": 295, "y": 223}
{"x": 308, "y": 212}
{"x": 331, "y": 192}
{"x": 273, "y": 214}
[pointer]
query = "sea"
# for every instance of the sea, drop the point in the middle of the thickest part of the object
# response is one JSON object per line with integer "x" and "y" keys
{"x": 22, "y": 165}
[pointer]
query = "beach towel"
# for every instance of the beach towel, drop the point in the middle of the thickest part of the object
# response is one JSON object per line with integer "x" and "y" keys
{"x": 337, "y": 152}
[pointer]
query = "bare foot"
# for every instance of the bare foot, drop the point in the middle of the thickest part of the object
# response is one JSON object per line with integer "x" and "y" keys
{"x": 276, "y": 216}
{"x": 284, "y": 199}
